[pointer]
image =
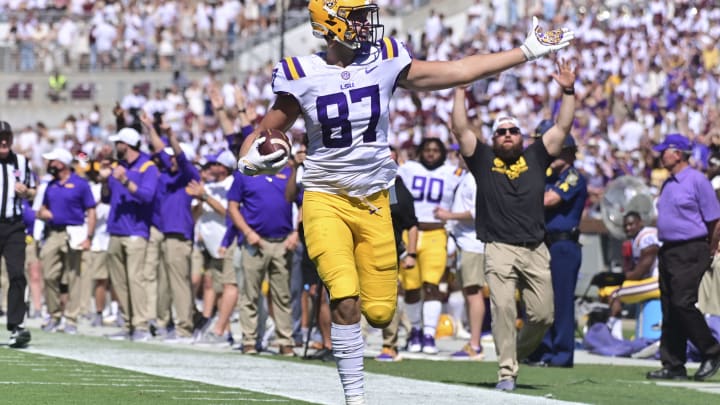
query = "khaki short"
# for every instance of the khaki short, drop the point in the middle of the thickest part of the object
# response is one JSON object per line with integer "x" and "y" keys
{"x": 472, "y": 269}
{"x": 32, "y": 252}
{"x": 197, "y": 261}
{"x": 222, "y": 270}
{"x": 97, "y": 265}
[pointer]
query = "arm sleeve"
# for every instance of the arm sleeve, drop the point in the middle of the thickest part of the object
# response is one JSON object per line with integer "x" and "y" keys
{"x": 648, "y": 239}
{"x": 163, "y": 157}
{"x": 406, "y": 216}
{"x": 707, "y": 200}
{"x": 236, "y": 190}
{"x": 188, "y": 170}
{"x": 148, "y": 184}
{"x": 230, "y": 233}
{"x": 569, "y": 187}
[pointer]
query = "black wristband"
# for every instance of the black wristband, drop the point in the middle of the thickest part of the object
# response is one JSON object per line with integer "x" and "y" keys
{"x": 413, "y": 255}
{"x": 241, "y": 110}
{"x": 570, "y": 91}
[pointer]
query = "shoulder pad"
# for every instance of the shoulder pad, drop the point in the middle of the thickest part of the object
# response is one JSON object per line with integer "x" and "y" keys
{"x": 291, "y": 68}
{"x": 389, "y": 48}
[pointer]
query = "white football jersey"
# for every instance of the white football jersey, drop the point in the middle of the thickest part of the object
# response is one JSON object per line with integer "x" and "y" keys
{"x": 464, "y": 231}
{"x": 211, "y": 225}
{"x": 101, "y": 239}
{"x": 346, "y": 112}
{"x": 645, "y": 238}
{"x": 430, "y": 188}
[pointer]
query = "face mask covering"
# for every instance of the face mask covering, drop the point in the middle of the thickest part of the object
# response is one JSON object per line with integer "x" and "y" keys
{"x": 53, "y": 171}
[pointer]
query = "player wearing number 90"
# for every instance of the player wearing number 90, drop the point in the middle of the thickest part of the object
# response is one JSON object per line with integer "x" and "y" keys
{"x": 343, "y": 95}
{"x": 432, "y": 184}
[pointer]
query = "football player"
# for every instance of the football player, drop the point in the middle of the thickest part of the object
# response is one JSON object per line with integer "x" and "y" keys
{"x": 432, "y": 184}
{"x": 343, "y": 95}
{"x": 641, "y": 272}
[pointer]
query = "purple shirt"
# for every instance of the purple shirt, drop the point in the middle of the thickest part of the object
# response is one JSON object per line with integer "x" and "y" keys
{"x": 164, "y": 163}
{"x": 263, "y": 203}
{"x": 175, "y": 210}
{"x": 28, "y": 217}
{"x": 130, "y": 213}
{"x": 68, "y": 201}
{"x": 687, "y": 202}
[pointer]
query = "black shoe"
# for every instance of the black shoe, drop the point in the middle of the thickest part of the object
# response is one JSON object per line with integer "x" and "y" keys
{"x": 668, "y": 374}
{"x": 323, "y": 354}
{"x": 708, "y": 368}
{"x": 19, "y": 338}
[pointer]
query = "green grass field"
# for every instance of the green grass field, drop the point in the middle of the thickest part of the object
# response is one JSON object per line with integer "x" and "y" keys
{"x": 594, "y": 384}
{"x": 27, "y": 378}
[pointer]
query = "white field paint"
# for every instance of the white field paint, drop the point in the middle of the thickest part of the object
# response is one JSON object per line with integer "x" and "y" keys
{"x": 243, "y": 400}
{"x": 306, "y": 382}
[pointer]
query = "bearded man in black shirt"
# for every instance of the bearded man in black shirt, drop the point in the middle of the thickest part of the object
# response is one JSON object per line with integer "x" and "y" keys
{"x": 511, "y": 221}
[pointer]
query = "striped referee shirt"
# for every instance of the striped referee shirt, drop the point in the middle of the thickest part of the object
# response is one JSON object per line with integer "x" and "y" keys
{"x": 13, "y": 169}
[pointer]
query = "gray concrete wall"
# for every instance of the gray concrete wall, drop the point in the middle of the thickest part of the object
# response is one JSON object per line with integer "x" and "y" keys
{"x": 109, "y": 86}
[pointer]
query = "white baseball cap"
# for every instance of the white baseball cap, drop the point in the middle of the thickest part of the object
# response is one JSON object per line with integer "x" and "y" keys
{"x": 61, "y": 155}
{"x": 227, "y": 159}
{"x": 505, "y": 119}
{"x": 187, "y": 150}
{"x": 127, "y": 136}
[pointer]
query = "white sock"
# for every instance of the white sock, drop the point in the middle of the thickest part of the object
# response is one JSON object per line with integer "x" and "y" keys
{"x": 431, "y": 315}
{"x": 456, "y": 305}
{"x": 414, "y": 313}
{"x": 615, "y": 325}
{"x": 348, "y": 348}
{"x": 356, "y": 400}
{"x": 114, "y": 308}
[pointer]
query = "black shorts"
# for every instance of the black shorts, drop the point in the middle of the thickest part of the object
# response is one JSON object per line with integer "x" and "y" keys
{"x": 309, "y": 271}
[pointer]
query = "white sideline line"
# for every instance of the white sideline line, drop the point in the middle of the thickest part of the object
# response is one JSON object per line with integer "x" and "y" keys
{"x": 228, "y": 399}
{"x": 306, "y": 382}
{"x": 88, "y": 384}
{"x": 199, "y": 392}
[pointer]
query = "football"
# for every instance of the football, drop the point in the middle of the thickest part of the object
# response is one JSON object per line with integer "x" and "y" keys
{"x": 274, "y": 140}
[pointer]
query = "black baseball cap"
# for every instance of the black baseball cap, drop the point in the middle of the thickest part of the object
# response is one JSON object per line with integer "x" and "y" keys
{"x": 5, "y": 128}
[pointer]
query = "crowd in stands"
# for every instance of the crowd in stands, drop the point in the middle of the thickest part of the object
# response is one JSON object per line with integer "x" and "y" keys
{"x": 644, "y": 71}
{"x": 137, "y": 35}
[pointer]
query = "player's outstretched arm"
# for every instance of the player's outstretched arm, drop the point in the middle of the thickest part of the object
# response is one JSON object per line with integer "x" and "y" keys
{"x": 423, "y": 75}
{"x": 281, "y": 116}
{"x": 460, "y": 126}
{"x": 555, "y": 136}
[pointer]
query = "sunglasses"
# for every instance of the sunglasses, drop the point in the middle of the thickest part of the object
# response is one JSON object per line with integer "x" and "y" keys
{"x": 503, "y": 131}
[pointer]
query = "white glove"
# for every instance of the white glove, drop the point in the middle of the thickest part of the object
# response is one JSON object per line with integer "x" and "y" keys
{"x": 538, "y": 43}
{"x": 254, "y": 163}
